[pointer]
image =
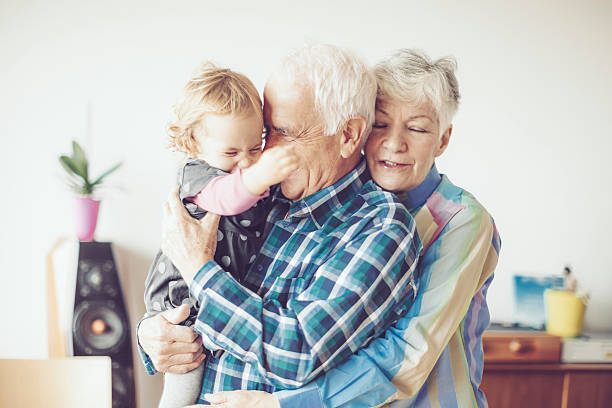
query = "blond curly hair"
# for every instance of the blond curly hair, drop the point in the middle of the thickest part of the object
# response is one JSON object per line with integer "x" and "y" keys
{"x": 210, "y": 90}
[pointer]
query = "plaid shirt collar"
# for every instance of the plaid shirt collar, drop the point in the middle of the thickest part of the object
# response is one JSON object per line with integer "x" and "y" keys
{"x": 321, "y": 204}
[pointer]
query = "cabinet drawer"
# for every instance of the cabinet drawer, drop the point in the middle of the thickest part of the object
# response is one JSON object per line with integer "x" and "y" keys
{"x": 507, "y": 346}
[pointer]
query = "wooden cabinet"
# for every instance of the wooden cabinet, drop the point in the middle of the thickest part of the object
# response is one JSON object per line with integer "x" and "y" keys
{"x": 523, "y": 369}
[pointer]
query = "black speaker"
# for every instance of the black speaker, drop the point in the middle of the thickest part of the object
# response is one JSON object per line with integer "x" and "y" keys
{"x": 100, "y": 324}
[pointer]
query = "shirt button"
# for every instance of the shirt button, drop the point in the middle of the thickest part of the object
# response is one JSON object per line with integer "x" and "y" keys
{"x": 259, "y": 268}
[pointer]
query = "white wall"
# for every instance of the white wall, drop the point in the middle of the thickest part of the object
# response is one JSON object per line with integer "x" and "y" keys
{"x": 531, "y": 138}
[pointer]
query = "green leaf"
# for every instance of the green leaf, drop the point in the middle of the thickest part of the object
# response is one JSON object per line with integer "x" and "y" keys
{"x": 106, "y": 173}
{"x": 78, "y": 155}
{"x": 70, "y": 166}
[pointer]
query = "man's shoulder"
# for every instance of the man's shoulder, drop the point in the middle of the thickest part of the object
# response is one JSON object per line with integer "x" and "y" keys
{"x": 383, "y": 207}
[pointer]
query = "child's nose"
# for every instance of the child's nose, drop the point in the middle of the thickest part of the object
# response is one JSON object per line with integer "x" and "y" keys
{"x": 245, "y": 162}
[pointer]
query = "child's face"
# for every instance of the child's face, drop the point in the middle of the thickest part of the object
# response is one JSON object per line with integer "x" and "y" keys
{"x": 404, "y": 141}
{"x": 230, "y": 141}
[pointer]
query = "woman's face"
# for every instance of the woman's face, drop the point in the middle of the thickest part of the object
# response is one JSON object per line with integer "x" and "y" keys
{"x": 404, "y": 141}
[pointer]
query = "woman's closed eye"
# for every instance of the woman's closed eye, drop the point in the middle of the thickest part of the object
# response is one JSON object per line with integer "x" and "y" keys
{"x": 418, "y": 130}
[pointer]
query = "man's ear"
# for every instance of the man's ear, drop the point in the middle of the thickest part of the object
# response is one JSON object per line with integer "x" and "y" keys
{"x": 352, "y": 135}
{"x": 444, "y": 140}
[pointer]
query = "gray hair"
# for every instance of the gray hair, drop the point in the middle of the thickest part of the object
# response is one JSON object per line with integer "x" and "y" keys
{"x": 343, "y": 85}
{"x": 410, "y": 75}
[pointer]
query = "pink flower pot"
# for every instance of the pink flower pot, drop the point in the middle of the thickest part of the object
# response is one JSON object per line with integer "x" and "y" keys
{"x": 85, "y": 217}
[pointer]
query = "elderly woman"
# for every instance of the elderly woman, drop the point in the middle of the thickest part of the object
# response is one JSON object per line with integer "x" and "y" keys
{"x": 433, "y": 355}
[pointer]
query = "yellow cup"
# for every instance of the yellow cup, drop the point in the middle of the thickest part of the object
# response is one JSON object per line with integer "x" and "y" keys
{"x": 564, "y": 313}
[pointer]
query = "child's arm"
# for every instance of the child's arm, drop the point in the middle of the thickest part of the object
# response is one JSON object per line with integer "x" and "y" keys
{"x": 237, "y": 192}
{"x": 226, "y": 195}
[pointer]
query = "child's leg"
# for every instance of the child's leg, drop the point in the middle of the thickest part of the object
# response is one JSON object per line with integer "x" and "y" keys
{"x": 182, "y": 389}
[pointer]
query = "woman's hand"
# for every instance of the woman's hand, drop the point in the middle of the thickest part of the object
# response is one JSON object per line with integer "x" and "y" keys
{"x": 189, "y": 243}
{"x": 241, "y": 399}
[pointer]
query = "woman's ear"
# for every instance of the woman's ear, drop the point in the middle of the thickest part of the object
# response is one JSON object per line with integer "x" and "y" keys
{"x": 444, "y": 140}
{"x": 351, "y": 136}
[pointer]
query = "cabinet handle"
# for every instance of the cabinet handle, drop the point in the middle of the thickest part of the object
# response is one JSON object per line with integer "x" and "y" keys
{"x": 516, "y": 347}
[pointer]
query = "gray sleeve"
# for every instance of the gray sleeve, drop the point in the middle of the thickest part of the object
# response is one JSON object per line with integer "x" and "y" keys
{"x": 194, "y": 176}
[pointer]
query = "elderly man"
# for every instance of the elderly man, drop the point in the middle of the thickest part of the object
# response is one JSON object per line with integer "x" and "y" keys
{"x": 337, "y": 266}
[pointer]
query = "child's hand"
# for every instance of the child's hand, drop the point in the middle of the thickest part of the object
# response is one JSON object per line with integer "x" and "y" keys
{"x": 274, "y": 165}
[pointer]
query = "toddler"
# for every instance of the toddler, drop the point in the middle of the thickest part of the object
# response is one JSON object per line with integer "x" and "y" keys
{"x": 218, "y": 126}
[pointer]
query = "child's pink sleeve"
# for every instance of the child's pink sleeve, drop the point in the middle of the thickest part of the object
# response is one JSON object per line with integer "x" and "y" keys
{"x": 226, "y": 195}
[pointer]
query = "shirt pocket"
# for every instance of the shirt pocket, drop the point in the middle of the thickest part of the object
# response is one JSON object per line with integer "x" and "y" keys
{"x": 284, "y": 289}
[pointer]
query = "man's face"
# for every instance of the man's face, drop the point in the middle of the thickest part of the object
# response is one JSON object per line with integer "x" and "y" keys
{"x": 290, "y": 118}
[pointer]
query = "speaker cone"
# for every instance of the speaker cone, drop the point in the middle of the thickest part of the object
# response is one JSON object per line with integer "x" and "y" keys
{"x": 98, "y": 327}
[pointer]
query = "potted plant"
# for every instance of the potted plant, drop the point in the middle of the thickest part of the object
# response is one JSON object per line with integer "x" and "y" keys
{"x": 86, "y": 207}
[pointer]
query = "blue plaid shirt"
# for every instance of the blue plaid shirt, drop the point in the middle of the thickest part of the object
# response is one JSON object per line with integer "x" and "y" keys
{"x": 336, "y": 269}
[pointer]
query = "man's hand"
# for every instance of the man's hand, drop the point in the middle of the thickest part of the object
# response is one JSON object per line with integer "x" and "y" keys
{"x": 172, "y": 348}
{"x": 189, "y": 243}
{"x": 241, "y": 399}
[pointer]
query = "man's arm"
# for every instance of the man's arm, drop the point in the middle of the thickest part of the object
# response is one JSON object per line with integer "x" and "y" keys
{"x": 398, "y": 364}
{"x": 163, "y": 344}
{"x": 351, "y": 297}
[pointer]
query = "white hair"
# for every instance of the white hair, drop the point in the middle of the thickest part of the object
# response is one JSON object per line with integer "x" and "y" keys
{"x": 343, "y": 85}
{"x": 410, "y": 75}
